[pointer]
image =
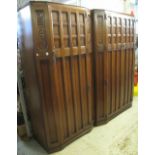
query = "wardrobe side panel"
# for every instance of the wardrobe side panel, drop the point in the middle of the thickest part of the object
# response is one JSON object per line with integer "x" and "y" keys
{"x": 25, "y": 34}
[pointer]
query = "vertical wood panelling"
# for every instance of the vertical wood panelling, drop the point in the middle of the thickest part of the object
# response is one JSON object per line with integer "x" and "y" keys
{"x": 88, "y": 69}
{"x": 106, "y": 67}
{"x": 125, "y": 65}
{"x": 133, "y": 58}
{"x": 112, "y": 70}
{"x": 69, "y": 95}
{"x": 126, "y": 58}
{"x": 70, "y": 70}
{"x": 78, "y": 107}
{"x": 101, "y": 83}
{"x": 118, "y": 80}
{"x": 72, "y": 73}
{"x": 100, "y": 92}
{"x": 130, "y": 75}
{"x": 113, "y": 65}
{"x": 109, "y": 77}
{"x": 63, "y": 55}
{"x": 129, "y": 62}
{"x": 73, "y": 24}
{"x": 122, "y": 68}
{"x": 99, "y": 66}
{"x": 64, "y": 62}
{"x": 84, "y": 87}
{"x": 62, "y": 99}
{"x": 66, "y": 69}
{"x": 123, "y": 76}
{"x": 132, "y": 81}
{"x": 127, "y": 75}
{"x": 46, "y": 83}
{"x": 109, "y": 63}
{"x": 56, "y": 44}
{"x": 77, "y": 92}
{"x": 90, "y": 86}
{"x": 80, "y": 68}
{"x": 131, "y": 66}
{"x": 70, "y": 31}
{"x": 117, "y": 65}
{"x": 84, "y": 82}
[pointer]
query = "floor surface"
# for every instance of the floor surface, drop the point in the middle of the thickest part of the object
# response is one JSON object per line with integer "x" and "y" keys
{"x": 117, "y": 137}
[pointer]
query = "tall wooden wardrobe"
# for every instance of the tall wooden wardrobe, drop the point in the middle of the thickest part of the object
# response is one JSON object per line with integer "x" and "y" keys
{"x": 114, "y": 43}
{"x": 56, "y": 52}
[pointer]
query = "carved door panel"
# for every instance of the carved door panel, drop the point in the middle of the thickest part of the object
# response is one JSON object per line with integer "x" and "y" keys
{"x": 120, "y": 38}
{"x": 113, "y": 62}
{"x": 73, "y": 68}
{"x": 63, "y": 56}
{"x": 111, "y": 34}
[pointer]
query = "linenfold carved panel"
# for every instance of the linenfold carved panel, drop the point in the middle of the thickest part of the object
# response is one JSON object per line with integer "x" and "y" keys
{"x": 89, "y": 33}
{"x": 41, "y": 29}
{"x": 100, "y": 29}
{"x": 74, "y": 29}
{"x": 65, "y": 29}
{"x": 56, "y": 29}
{"x": 113, "y": 64}
{"x": 82, "y": 30}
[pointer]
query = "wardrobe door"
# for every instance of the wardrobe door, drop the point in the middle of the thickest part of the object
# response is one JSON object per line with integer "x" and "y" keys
{"x": 112, "y": 56}
{"x": 113, "y": 59}
{"x": 72, "y": 63}
{"x": 120, "y": 77}
{"x": 120, "y": 69}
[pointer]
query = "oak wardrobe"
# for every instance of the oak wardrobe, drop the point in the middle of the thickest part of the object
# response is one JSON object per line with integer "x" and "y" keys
{"x": 78, "y": 66}
{"x": 114, "y": 43}
{"x": 55, "y": 43}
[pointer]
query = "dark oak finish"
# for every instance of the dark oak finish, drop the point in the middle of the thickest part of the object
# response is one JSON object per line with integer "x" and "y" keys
{"x": 114, "y": 63}
{"x": 68, "y": 54}
{"x": 57, "y": 63}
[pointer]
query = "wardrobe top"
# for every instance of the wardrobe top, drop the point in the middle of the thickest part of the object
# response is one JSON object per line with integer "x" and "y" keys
{"x": 49, "y": 2}
{"x": 110, "y": 11}
{"x": 74, "y": 6}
